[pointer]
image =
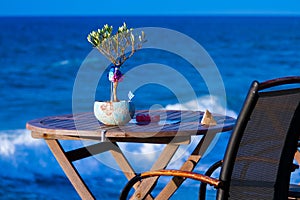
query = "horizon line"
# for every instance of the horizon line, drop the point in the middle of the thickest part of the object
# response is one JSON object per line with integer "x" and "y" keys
{"x": 166, "y": 15}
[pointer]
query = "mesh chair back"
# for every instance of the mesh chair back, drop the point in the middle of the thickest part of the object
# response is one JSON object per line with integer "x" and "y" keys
{"x": 261, "y": 149}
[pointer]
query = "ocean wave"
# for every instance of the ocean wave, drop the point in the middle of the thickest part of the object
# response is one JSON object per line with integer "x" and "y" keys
{"x": 212, "y": 103}
{"x": 10, "y": 139}
{"x": 63, "y": 62}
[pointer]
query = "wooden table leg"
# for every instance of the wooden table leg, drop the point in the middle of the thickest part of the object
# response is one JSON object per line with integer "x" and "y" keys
{"x": 69, "y": 170}
{"x": 189, "y": 165}
{"x": 163, "y": 160}
{"x": 122, "y": 162}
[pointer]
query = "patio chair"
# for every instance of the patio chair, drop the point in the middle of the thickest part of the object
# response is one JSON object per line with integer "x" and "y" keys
{"x": 259, "y": 156}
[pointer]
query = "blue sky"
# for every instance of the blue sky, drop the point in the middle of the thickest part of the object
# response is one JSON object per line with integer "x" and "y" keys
{"x": 144, "y": 7}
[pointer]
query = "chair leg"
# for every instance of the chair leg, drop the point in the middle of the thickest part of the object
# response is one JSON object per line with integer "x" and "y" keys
{"x": 211, "y": 169}
{"x": 129, "y": 185}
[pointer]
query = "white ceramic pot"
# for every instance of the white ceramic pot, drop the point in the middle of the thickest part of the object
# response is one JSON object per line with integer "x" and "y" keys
{"x": 114, "y": 113}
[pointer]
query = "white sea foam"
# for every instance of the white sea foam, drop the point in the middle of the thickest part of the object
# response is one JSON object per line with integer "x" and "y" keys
{"x": 149, "y": 151}
{"x": 10, "y": 139}
{"x": 211, "y": 103}
{"x": 64, "y": 62}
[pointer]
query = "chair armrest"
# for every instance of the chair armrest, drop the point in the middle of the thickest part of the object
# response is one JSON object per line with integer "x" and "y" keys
{"x": 178, "y": 173}
{"x": 184, "y": 174}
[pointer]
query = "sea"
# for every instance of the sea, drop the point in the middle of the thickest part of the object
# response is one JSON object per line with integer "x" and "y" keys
{"x": 41, "y": 57}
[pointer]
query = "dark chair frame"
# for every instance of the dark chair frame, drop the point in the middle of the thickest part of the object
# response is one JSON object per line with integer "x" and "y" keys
{"x": 223, "y": 183}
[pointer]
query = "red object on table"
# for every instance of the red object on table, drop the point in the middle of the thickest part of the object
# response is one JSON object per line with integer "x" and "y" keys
{"x": 146, "y": 118}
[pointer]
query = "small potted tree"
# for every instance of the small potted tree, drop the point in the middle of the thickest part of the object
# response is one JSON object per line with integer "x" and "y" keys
{"x": 118, "y": 48}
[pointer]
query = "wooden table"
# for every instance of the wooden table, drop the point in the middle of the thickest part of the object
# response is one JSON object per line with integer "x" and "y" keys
{"x": 175, "y": 128}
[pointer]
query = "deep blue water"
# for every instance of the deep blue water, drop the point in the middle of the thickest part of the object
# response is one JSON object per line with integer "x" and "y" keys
{"x": 40, "y": 58}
